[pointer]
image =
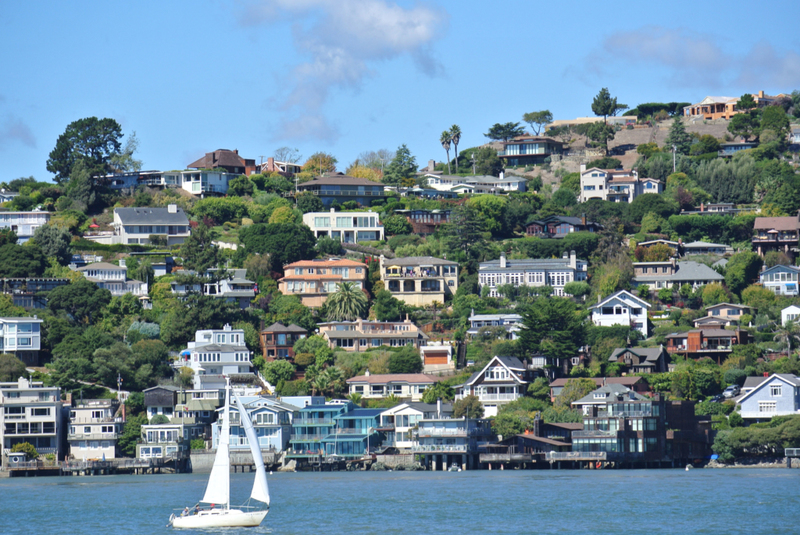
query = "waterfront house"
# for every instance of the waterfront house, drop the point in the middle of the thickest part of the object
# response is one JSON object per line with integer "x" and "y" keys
{"x": 94, "y": 429}
{"x": 703, "y": 247}
{"x": 725, "y": 107}
{"x": 667, "y": 274}
{"x": 443, "y": 441}
{"x": 780, "y": 279}
{"x": 776, "y": 395}
{"x": 272, "y": 421}
{"x": 22, "y": 338}
{"x": 139, "y": 225}
{"x": 603, "y": 396}
{"x": 708, "y": 342}
{"x": 32, "y": 413}
{"x": 406, "y": 386}
{"x": 363, "y": 335}
{"x": 277, "y": 340}
{"x": 487, "y": 323}
{"x": 335, "y": 429}
{"x": 314, "y": 280}
{"x": 501, "y": 381}
{"x": 338, "y": 188}
{"x": 160, "y": 401}
{"x": 419, "y": 281}
{"x": 23, "y": 224}
{"x": 168, "y": 441}
{"x": 728, "y": 150}
{"x": 641, "y": 359}
{"x": 399, "y": 422}
{"x": 553, "y": 272}
{"x": 622, "y": 308}
{"x": 347, "y": 227}
{"x": 233, "y": 286}
{"x": 790, "y": 313}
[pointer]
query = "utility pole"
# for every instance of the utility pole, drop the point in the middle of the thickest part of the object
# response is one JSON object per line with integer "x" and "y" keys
{"x": 674, "y": 151}
{"x": 473, "y": 162}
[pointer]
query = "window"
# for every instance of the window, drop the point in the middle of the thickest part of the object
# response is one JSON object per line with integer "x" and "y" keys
{"x": 40, "y": 412}
{"x": 768, "y": 406}
{"x": 775, "y": 391}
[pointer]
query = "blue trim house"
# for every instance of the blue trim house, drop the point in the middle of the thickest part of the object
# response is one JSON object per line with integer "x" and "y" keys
{"x": 337, "y": 428}
{"x": 272, "y": 421}
{"x": 781, "y": 280}
{"x": 777, "y": 395}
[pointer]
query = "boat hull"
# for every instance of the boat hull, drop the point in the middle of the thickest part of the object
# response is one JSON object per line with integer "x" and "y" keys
{"x": 221, "y": 518}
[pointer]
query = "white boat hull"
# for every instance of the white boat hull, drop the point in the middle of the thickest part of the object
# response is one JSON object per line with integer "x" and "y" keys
{"x": 220, "y": 518}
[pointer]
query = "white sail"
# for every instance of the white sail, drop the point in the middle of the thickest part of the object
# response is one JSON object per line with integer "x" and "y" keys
{"x": 260, "y": 490}
{"x": 218, "y": 490}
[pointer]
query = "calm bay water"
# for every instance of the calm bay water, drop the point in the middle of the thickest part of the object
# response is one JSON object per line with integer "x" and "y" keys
{"x": 709, "y": 501}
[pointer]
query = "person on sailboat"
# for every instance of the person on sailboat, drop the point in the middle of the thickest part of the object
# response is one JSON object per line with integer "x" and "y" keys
{"x": 185, "y": 511}
{"x": 197, "y": 509}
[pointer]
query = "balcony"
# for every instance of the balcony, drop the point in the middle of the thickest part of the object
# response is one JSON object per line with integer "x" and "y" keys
{"x": 307, "y": 438}
{"x": 494, "y": 397}
{"x": 93, "y": 436}
{"x": 312, "y": 421}
{"x": 435, "y": 448}
{"x": 594, "y": 433}
{"x": 506, "y": 457}
{"x": 576, "y": 455}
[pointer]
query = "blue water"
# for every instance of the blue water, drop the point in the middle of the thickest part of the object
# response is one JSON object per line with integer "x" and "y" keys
{"x": 709, "y": 501}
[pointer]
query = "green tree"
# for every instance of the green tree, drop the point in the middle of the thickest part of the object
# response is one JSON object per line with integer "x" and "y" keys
{"x": 464, "y": 230}
{"x": 774, "y": 118}
{"x": 714, "y": 293}
{"x": 387, "y": 307}
{"x": 329, "y": 246}
{"x": 742, "y": 125}
{"x": 8, "y": 237}
{"x": 746, "y": 102}
{"x": 604, "y": 105}
{"x": 54, "y": 242}
{"x": 504, "y": 131}
{"x": 83, "y": 300}
{"x": 538, "y": 120}
{"x": 742, "y": 269}
{"x": 600, "y": 134}
{"x": 469, "y": 407}
{"x": 552, "y": 327}
{"x": 507, "y": 425}
{"x": 574, "y": 390}
{"x": 131, "y": 434}
{"x": 455, "y": 137}
{"x": 92, "y": 141}
{"x": 564, "y": 197}
{"x": 678, "y": 137}
{"x": 577, "y": 288}
{"x": 277, "y": 371}
{"x": 123, "y": 161}
{"x": 319, "y": 163}
{"x": 241, "y": 186}
{"x": 347, "y": 303}
{"x": 436, "y": 391}
{"x": 11, "y": 368}
{"x": 395, "y": 225}
{"x": 284, "y": 242}
{"x": 198, "y": 251}
{"x": 308, "y": 202}
{"x": 19, "y": 261}
{"x": 487, "y": 162}
{"x": 406, "y": 360}
{"x": 401, "y": 170}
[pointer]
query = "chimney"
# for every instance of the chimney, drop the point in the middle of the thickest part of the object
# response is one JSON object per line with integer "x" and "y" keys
{"x": 213, "y": 157}
{"x": 672, "y": 261}
{"x": 761, "y": 94}
{"x": 583, "y": 167}
{"x": 236, "y": 152}
{"x": 702, "y": 207}
{"x": 172, "y": 208}
{"x": 573, "y": 260}
{"x": 503, "y": 260}
{"x": 270, "y": 164}
{"x": 583, "y": 219}
{"x": 438, "y": 407}
{"x": 366, "y": 373}
{"x": 502, "y": 175}
{"x": 333, "y": 210}
{"x": 431, "y": 166}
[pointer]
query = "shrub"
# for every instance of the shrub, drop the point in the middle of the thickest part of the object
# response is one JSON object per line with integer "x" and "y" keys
{"x": 198, "y": 444}
{"x": 26, "y": 447}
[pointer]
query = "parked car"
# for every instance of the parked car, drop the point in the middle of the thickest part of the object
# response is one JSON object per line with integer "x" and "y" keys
{"x": 717, "y": 399}
{"x": 731, "y": 391}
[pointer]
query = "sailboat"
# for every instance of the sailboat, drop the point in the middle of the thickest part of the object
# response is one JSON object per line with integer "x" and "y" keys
{"x": 218, "y": 491}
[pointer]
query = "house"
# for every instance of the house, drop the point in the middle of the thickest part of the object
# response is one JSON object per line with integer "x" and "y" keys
{"x": 215, "y": 354}
{"x": 727, "y": 150}
{"x": 22, "y": 338}
{"x": 168, "y": 441}
{"x": 701, "y": 247}
{"x": 7, "y": 196}
{"x": 425, "y": 222}
{"x": 790, "y": 313}
{"x": 723, "y": 314}
{"x": 719, "y": 208}
{"x": 229, "y": 160}
{"x": 635, "y": 383}
{"x": 23, "y": 224}
{"x": 724, "y": 107}
{"x": 277, "y": 340}
{"x": 501, "y": 381}
{"x": 160, "y": 401}
{"x": 30, "y": 292}
{"x": 553, "y": 272}
{"x": 558, "y": 226}
{"x": 529, "y": 150}
{"x": 347, "y": 227}
{"x": 476, "y": 184}
{"x": 657, "y": 275}
{"x": 140, "y": 225}
{"x": 604, "y": 395}
{"x": 521, "y": 448}
{"x": 780, "y": 279}
{"x": 32, "y": 413}
{"x": 233, "y": 286}
{"x": 363, "y": 335}
{"x": 438, "y": 357}
{"x": 338, "y": 188}
{"x": 94, "y": 429}
{"x": 776, "y": 395}
{"x": 428, "y": 193}
{"x": 622, "y": 120}
{"x": 334, "y": 429}
{"x": 675, "y": 246}
{"x": 486, "y": 323}
{"x": 641, "y": 359}
{"x": 794, "y": 137}
{"x": 622, "y": 308}
{"x": 615, "y": 185}
{"x": 314, "y": 280}
{"x": 444, "y": 441}
{"x": 419, "y": 281}
{"x": 113, "y": 278}
{"x": 200, "y": 405}
{"x": 776, "y": 234}
{"x": 271, "y": 419}
{"x": 406, "y": 386}
{"x": 287, "y": 169}
{"x": 707, "y": 342}
{"x": 399, "y": 422}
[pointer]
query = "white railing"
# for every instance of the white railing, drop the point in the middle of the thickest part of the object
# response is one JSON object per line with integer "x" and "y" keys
{"x": 439, "y": 447}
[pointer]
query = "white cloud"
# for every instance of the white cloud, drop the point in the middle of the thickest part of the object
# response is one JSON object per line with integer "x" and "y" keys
{"x": 344, "y": 41}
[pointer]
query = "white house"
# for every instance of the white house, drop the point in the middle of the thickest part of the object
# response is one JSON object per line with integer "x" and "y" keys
{"x": 622, "y": 308}
{"x": 477, "y": 183}
{"x": 272, "y": 421}
{"x": 31, "y": 412}
{"x": 408, "y": 386}
{"x": 615, "y": 185}
{"x": 399, "y": 422}
{"x": 553, "y": 272}
{"x": 780, "y": 279}
{"x": 113, "y": 278}
{"x": 776, "y": 395}
{"x": 22, "y": 338}
{"x": 137, "y": 225}
{"x": 214, "y": 354}
{"x": 94, "y": 429}
{"x": 499, "y": 382}
{"x": 202, "y": 182}
{"x": 347, "y": 227}
{"x": 790, "y": 313}
{"x": 512, "y": 323}
{"x": 24, "y": 224}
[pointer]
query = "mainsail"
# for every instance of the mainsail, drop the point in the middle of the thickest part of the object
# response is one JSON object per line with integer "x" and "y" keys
{"x": 218, "y": 490}
{"x": 260, "y": 491}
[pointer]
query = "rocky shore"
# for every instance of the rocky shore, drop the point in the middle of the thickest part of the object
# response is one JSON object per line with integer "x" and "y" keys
{"x": 756, "y": 462}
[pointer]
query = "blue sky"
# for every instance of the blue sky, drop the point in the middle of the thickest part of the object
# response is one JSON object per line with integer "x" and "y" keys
{"x": 346, "y": 76}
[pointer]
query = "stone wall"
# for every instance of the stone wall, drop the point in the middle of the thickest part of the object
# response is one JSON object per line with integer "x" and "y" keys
{"x": 202, "y": 461}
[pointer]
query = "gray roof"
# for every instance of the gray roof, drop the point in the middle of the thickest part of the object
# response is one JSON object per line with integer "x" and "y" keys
{"x": 102, "y": 265}
{"x": 705, "y": 244}
{"x": 222, "y": 348}
{"x": 613, "y": 391}
{"x": 151, "y": 216}
{"x": 624, "y": 293}
{"x": 493, "y": 317}
{"x": 429, "y": 407}
{"x": 755, "y": 382}
{"x": 687, "y": 271}
{"x": 280, "y": 327}
{"x": 527, "y": 263}
{"x": 418, "y": 261}
{"x": 651, "y": 354}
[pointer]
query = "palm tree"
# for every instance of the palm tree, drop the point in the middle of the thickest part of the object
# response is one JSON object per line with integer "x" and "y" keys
{"x": 787, "y": 334}
{"x": 455, "y": 137}
{"x": 348, "y": 303}
{"x": 445, "y": 141}
{"x": 320, "y": 385}
{"x": 335, "y": 379}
